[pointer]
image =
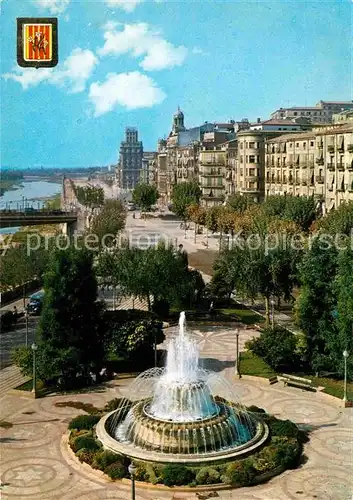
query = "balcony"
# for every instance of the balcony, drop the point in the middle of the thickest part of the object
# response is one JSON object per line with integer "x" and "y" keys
{"x": 331, "y": 148}
{"x": 303, "y": 165}
{"x": 340, "y": 166}
{"x": 349, "y": 166}
{"x": 350, "y": 148}
{"x": 331, "y": 166}
{"x": 320, "y": 145}
{"x": 319, "y": 179}
{"x": 304, "y": 183}
{"x": 319, "y": 161}
{"x": 212, "y": 161}
{"x": 250, "y": 190}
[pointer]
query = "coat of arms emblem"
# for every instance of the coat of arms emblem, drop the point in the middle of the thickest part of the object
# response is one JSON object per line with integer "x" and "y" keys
{"x": 37, "y": 42}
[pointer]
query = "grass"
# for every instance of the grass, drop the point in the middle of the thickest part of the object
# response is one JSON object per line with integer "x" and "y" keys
{"x": 41, "y": 389}
{"x": 253, "y": 365}
{"x": 246, "y": 315}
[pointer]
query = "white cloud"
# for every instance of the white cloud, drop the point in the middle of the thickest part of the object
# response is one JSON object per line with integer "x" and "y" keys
{"x": 126, "y": 5}
{"x": 199, "y": 51}
{"x": 129, "y": 90}
{"x": 73, "y": 73}
{"x": 54, "y": 6}
{"x": 140, "y": 40}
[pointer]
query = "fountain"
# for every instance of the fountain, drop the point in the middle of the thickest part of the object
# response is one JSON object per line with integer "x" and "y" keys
{"x": 181, "y": 413}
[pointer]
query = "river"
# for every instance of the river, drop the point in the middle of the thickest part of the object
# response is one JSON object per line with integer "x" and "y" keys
{"x": 31, "y": 194}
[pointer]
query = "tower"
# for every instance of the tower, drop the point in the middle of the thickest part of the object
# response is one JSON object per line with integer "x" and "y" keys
{"x": 178, "y": 122}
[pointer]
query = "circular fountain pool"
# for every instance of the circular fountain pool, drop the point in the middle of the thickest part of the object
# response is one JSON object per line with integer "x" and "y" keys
{"x": 181, "y": 413}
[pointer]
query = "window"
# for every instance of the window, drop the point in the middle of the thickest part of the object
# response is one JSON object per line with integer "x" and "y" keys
{"x": 297, "y": 144}
{"x": 241, "y": 145}
{"x": 252, "y": 171}
{"x": 304, "y": 145}
{"x": 241, "y": 159}
{"x": 311, "y": 143}
{"x": 251, "y": 159}
{"x": 295, "y": 113}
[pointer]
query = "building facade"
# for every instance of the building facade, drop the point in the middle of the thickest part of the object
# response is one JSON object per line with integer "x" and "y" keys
{"x": 148, "y": 164}
{"x": 318, "y": 163}
{"x": 130, "y": 160}
{"x": 321, "y": 113}
{"x": 212, "y": 174}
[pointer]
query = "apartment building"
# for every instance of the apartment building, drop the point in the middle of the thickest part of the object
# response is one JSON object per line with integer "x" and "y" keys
{"x": 130, "y": 160}
{"x": 212, "y": 173}
{"x": 320, "y": 113}
{"x": 317, "y": 163}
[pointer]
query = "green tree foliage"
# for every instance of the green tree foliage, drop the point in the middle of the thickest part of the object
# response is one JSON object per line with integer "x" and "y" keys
{"x": 157, "y": 273}
{"x": 317, "y": 301}
{"x": 145, "y": 195}
{"x": 71, "y": 333}
{"x": 276, "y": 346}
{"x": 343, "y": 287}
{"x": 239, "y": 203}
{"x": 20, "y": 265}
{"x": 301, "y": 210}
{"x": 178, "y": 475}
{"x": 338, "y": 221}
{"x": 184, "y": 195}
{"x": 254, "y": 270}
{"x": 108, "y": 222}
{"x": 89, "y": 196}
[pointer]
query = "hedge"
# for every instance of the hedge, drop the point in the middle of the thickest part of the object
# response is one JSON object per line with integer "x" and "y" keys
{"x": 84, "y": 422}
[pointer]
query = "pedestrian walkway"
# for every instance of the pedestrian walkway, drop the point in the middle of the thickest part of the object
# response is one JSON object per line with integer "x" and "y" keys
{"x": 11, "y": 377}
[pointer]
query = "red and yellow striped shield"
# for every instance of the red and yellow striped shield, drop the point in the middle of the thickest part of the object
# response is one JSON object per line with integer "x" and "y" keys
{"x": 37, "y": 42}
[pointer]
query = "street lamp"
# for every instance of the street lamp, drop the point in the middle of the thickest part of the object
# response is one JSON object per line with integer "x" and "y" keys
{"x": 237, "y": 372}
{"x": 132, "y": 471}
{"x": 273, "y": 312}
{"x": 34, "y": 348}
{"x": 26, "y": 317}
{"x": 345, "y": 357}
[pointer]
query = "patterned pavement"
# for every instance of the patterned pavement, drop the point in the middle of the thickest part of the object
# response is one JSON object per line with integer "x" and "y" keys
{"x": 35, "y": 464}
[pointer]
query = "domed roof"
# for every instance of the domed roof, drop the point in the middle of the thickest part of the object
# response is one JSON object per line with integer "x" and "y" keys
{"x": 179, "y": 113}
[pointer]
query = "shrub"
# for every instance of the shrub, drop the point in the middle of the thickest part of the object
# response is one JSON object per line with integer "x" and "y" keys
{"x": 116, "y": 470}
{"x": 207, "y": 475}
{"x": 104, "y": 458}
{"x": 283, "y": 428}
{"x": 241, "y": 473}
{"x": 84, "y": 422}
{"x": 85, "y": 455}
{"x": 277, "y": 346}
{"x": 255, "y": 409}
{"x": 288, "y": 451}
{"x": 113, "y": 404}
{"x": 88, "y": 442}
{"x": 177, "y": 475}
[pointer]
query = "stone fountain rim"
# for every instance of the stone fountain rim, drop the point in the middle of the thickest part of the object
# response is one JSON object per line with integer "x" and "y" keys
{"x": 112, "y": 444}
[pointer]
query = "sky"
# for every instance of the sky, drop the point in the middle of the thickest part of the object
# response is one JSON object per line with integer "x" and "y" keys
{"x": 132, "y": 63}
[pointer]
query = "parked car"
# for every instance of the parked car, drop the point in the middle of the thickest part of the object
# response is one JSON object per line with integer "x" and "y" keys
{"x": 35, "y": 304}
{"x": 7, "y": 320}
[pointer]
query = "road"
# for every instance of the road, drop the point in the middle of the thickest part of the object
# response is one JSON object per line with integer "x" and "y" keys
{"x": 15, "y": 338}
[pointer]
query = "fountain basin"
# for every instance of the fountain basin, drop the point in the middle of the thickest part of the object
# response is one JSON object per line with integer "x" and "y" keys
{"x": 261, "y": 434}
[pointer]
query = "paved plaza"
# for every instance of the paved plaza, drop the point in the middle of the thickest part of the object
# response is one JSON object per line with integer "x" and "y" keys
{"x": 36, "y": 465}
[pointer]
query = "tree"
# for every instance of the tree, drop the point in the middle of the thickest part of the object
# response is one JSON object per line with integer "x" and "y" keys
{"x": 184, "y": 195}
{"x": 240, "y": 202}
{"x": 301, "y": 210}
{"x": 343, "y": 339}
{"x": 70, "y": 335}
{"x": 108, "y": 222}
{"x": 317, "y": 302}
{"x": 145, "y": 195}
{"x": 277, "y": 347}
{"x": 338, "y": 221}
{"x": 89, "y": 196}
{"x": 154, "y": 273}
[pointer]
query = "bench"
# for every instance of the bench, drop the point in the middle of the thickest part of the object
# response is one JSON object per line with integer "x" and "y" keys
{"x": 294, "y": 381}
{"x": 273, "y": 380}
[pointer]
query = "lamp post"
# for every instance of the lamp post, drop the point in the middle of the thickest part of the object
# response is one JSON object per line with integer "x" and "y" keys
{"x": 26, "y": 317}
{"x": 237, "y": 372}
{"x": 132, "y": 470}
{"x": 273, "y": 312}
{"x": 345, "y": 357}
{"x": 155, "y": 349}
{"x": 34, "y": 348}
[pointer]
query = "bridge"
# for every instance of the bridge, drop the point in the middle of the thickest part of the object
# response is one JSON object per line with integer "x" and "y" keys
{"x": 33, "y": 217}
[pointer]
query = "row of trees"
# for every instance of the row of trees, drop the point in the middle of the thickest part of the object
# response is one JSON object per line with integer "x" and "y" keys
{"x": 89, "y": 196}
{"x": 159, "y": 275}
